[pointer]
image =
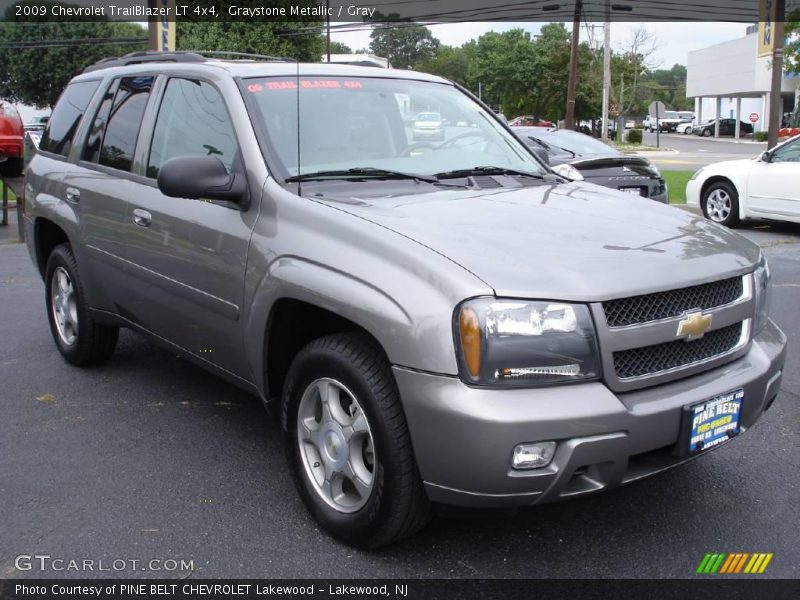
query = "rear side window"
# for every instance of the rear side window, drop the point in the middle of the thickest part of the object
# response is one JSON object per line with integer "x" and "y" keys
{"x": 192, "y": 120}
{"x": 124, "y": 120}
{"x": 91, "y": 151}
{"x": 66, "y": 117}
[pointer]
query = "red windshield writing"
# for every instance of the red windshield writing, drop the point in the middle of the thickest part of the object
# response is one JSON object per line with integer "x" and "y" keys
{"x": 306, "y": 84}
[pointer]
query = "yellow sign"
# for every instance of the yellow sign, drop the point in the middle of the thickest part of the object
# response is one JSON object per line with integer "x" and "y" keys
{"x": 166, "y": 28}
{"x": 766, "y": 26}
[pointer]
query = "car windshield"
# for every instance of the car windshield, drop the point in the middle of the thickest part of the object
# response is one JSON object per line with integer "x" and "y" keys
{"x": 365, "y": 125}
{"x": 571, "y": 141}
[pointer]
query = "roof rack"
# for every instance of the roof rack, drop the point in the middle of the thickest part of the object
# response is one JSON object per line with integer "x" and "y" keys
{"x": 182, "y": 56}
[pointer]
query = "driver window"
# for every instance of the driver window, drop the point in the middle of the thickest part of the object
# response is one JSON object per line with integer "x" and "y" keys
{"x": 192, "y": 120}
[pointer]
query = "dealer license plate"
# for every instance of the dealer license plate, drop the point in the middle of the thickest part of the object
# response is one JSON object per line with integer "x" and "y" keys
{"x": 713, "y": 421}
{"x": 631, "y": 190}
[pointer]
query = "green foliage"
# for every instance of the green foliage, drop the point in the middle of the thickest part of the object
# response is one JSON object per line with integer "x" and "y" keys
{"x": 760, "y": 136}
{"x": 402, "y": 42}
{"x": 300, "y": 40}
{"x": 668, "y": 86}
{"x": 37, "y": 75}
{"x": 449, "y": 62}
{"x": 634, "y": 136}
{"x": 340, "y": 48}
{"x": 791, "y": 52}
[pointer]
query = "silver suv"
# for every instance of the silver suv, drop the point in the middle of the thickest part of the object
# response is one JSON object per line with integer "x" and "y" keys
{"x": 438, "y": 323}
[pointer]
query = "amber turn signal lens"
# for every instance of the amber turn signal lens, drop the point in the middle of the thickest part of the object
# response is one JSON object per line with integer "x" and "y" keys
{"x": 470, "y": 330}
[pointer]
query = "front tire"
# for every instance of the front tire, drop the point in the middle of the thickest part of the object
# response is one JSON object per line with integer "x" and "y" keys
{"x": 79, "y": 339}
{"x": 348, "y": 443}
{"x": 12, "y": 167}
{"x": 720, "y": 204}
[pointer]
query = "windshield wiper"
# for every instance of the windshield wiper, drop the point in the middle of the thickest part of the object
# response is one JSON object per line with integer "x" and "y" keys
{"x": 360, "y": 173}
{"x": 486, "y": 170}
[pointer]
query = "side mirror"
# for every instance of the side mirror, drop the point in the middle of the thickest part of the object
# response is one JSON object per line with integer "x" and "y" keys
{"x": 765, "y": 156}
{"x": 541, "y": 154}
{"x": 200, "y": 177}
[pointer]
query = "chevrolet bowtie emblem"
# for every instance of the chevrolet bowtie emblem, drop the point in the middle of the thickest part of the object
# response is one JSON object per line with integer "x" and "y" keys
{"x": 694, "y": 326}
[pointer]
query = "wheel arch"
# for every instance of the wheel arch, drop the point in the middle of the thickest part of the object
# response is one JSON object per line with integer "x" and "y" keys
{"x": 47, "y": 235}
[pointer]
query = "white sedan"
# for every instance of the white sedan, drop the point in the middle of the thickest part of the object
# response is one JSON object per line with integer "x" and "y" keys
{"x": 684, "y": 128}
{"x": 765, "y": 187}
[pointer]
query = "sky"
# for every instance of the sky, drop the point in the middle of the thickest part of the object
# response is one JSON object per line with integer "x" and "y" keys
{"x": 675, "y": 40}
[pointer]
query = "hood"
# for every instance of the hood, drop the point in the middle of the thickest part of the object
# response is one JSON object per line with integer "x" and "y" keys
{"x": 574, "y": 241}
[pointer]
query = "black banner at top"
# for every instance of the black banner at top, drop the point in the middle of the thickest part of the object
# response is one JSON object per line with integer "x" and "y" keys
{"x": 390, "y": 11}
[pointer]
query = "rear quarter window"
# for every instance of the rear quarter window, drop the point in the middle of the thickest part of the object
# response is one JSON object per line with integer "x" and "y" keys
{"x": 66, "y": 117}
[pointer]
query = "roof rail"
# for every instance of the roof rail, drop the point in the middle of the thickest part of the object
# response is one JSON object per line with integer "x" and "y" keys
{"x": 182, "y": 56}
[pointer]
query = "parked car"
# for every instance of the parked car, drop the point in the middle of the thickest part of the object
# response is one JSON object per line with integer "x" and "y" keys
{"x": 726, "y": 127}
{"x": 427, "y": 126}
{"x": 11, "y": 141}
{"x": 685, "y": 128}
{"x": 529, "y": 121}
{"x": 461, "y": 326}
{"x": 765, "y": 187}
{"x": 579, "y": 156}
{"x": 37, "y": 123}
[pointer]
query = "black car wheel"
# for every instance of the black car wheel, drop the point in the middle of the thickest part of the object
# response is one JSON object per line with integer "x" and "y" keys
{"x": 349, "y": 445}
{"x": 80, "y": 340}
{"x": 706, "y": 133}
{"x": 720, "y": 203}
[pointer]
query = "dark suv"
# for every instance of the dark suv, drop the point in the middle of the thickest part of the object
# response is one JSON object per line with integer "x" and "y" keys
{"x": 436, "y": 322}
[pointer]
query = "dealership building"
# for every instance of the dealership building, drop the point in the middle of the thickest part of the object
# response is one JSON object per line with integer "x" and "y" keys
{"x": 730, "y": 80}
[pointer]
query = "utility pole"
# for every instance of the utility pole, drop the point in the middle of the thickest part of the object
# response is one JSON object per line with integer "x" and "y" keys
{"x": 328, "y": 33}
{"x": 775, "y": 98}
{"x": 569, "y": 118}
{"x": 606, "y": 70}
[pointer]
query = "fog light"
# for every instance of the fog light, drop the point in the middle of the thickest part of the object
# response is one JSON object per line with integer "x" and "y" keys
{"x": 533, "y": 456}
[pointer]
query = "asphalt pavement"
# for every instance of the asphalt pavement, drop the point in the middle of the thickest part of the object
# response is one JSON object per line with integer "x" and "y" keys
{"x": 690, "y": 152}
{"x": 151, "y": 458}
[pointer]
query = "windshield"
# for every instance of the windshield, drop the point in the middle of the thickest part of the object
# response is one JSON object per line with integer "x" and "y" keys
{"x": 368, "y": 123}
{"x": 571, "y": 141}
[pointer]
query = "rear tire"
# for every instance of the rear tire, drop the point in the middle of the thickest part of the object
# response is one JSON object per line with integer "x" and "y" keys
{"x": 706, "y": 133}
{"x": 348, "y": 443}
{"x": 720, "y": 203}
{"x": 79, "y": 339}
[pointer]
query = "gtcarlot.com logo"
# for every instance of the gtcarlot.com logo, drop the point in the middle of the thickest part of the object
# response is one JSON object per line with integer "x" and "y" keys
{"x": 732, "y": 563}
{"x": 45, "y": 562}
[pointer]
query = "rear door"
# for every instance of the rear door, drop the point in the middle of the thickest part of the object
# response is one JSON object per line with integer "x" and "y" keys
{"x": 187, "y": 258}
{"x": 100, "y": 183}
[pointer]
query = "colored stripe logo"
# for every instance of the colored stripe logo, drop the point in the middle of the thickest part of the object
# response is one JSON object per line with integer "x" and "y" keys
{"x": 724, "y": 563}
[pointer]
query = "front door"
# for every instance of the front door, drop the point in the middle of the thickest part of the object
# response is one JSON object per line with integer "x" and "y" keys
{"x": 187, "y": 258}
{"x": 774, "y": 187}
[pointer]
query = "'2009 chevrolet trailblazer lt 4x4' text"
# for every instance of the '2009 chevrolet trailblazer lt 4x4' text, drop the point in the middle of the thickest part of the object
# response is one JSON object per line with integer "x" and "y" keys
{"x": 442, "y": 322}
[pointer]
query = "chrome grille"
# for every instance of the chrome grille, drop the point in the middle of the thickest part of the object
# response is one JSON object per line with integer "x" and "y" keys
{"x": 673, "y": 303}
{"x": 648, "y": 360}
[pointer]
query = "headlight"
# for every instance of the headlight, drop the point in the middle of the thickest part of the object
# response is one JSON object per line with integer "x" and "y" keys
{"x": 761, "y": 277}
{"x": 516, "y": 343}
{"x": 568, "y": 171}
{"x": 696, "y": 173}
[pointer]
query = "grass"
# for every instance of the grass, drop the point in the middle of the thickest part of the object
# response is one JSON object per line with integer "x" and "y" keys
{"x": 676, "y": 181}
{"x": 12, "y": 197}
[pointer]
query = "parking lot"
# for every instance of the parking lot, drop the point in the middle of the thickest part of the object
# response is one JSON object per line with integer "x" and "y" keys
{"x": 150, "y": 458}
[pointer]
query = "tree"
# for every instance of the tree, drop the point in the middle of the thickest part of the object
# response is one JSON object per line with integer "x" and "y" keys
{"x": 629, "y": 66}
{"x": 449, "y": 62}
{"x": 40, "y": 55}
{"x": 402, "y": 42}
{"x": 269, "y": 37}
{"x": 340, "y": 48}
{"x": 791, "y": 53}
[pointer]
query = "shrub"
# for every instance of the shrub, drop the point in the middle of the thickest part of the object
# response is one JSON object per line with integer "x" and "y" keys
{"x": 634, "y": 136}
{"x": 760, "y": 136}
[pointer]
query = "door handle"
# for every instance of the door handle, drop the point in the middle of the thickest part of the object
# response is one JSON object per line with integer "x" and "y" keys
{"x": 141, "y": 217}
{"x": 73, "y": 195}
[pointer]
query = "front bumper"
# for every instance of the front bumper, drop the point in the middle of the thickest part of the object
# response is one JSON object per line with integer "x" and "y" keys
{"x": 463, "y": 436}
{"x": 428, "y": 134}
